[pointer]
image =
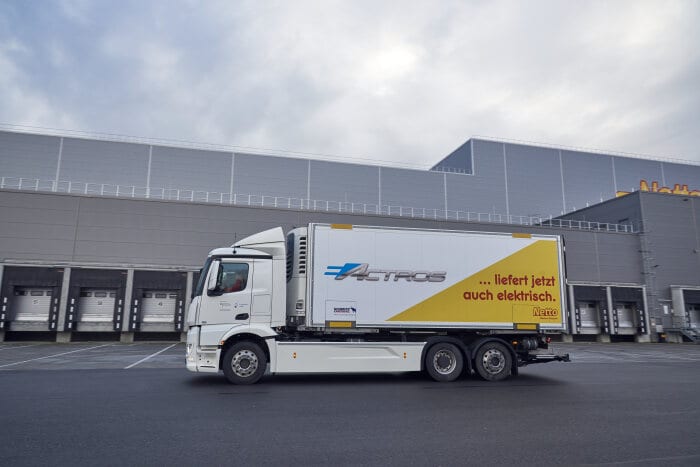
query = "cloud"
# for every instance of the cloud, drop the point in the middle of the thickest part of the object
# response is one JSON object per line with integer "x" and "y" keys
{"x": 24, "y": 103}
{"x": 404, "y": 82}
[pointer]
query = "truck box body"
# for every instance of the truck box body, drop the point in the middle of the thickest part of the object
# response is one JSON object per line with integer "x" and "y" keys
{"x": 406, "y": 278}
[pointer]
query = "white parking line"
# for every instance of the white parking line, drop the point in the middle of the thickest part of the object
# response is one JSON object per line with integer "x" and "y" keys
{"x": 150, "y": 356}
{"x": 5, "y": 347}
{"x": 54, "y": 355}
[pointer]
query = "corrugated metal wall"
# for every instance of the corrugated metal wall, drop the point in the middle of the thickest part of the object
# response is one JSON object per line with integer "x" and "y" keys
{"x": 30, "y": 156}
{"x": 672, "y": 228}
{"x": 270, "y": 176}
{"x": 334, "y": 181}
{"x": 103, "y": 162}
{"x": 588, "y": 179}
{"x": 190, "y": 169}
{"x": 55, "y": 227}
{"x": 485, "y": 190}
{"x": 506, "y": 178}
{"x": 534, "y": 181}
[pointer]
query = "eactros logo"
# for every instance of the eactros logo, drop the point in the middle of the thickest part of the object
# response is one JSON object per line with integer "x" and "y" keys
{"x": 363, "y": 273}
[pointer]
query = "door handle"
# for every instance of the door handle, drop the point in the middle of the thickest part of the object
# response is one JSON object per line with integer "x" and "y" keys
{"x": 241, "y": 316}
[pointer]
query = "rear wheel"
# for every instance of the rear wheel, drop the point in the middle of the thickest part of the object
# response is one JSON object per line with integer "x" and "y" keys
{"x": 244, "y": 363}
{"x": 444, "y": 362}
{"x": 493, "y": 361}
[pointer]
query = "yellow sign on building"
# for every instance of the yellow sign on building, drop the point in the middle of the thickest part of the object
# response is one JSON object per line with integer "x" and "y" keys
{"x": 677, "y": 189}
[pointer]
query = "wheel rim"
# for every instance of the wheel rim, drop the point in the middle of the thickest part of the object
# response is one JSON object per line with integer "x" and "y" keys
{"x": 493, "y": 361}
{"x": 244, "y": 363}
{"x": 444, "y": 362}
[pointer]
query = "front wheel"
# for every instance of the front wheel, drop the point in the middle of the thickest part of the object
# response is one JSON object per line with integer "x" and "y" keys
{"x": 444, "y": 362}
{"x": 244, "y": 363}
{"x": 493, "y": 361}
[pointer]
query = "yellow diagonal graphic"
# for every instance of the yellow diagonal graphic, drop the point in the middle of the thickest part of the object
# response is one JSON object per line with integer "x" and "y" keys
{"x": 523, "y": 288}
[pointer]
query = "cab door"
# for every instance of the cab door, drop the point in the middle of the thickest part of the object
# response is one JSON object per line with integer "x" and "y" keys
{"x": 229, "y": 300}
{"x": 261, "y": 311}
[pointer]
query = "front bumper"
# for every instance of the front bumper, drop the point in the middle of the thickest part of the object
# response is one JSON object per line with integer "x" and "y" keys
{"x": 197, "y": 359}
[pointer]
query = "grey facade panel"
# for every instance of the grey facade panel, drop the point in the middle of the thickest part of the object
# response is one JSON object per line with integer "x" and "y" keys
{"x": 147, "y": 232}
{"x": 625, "y": 210}
{"x": 629, "y": 172}
{"x": 104, "y": 162}
{"x": 32, "y": 230}
{"x": 534, "y": 181}
{"x": 619, "y": 258}
{"x": 37, "y": 226}
{"x": 42, "y": 208}
{"x": 459, "y": 160}
{"x": 484, "y": 191}
{"x": 673, "y": 241}
{"x": 413, "y": 189}
{"x": 190, "y": 170}
{"x": 582, "y": 172}
{"x": 28, "y": 156}
{"x": 24, "y": 248}
{"x": 270, "y": 176}
{"x": 582, "y": 257}
{"x": 35, "y": 221}
{"x": 350, "y": 183}
{"x": 162, "y": 233}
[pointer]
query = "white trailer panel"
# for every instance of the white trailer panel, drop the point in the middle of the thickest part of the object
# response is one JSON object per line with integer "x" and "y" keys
{"x": 391, "y": 277}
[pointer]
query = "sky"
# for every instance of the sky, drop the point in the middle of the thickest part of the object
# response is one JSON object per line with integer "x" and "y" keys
{"x": 402, "y": 83}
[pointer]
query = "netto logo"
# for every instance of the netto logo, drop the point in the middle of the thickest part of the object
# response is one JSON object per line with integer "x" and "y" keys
{"x": 363, "y": 273}
{"x": 545, "y": 312}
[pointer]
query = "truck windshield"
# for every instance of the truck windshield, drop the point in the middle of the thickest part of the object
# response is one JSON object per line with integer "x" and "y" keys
{"x": 202, "y": 278}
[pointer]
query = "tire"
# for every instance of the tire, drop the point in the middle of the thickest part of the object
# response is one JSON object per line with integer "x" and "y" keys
{"x": 493, "y": 362}
{"x": 244, "y": 363}
{"x": 444, "y": 362}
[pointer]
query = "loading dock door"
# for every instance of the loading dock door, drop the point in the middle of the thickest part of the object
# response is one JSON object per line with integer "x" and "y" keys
{"x": 97, "y": 305}
{"x": 32, "y": 304}
{"x": 158, "y": 306}
{"x": 626, "y": 314}
{"x": 694, "y": 315}
{"x": 590, "y": 317}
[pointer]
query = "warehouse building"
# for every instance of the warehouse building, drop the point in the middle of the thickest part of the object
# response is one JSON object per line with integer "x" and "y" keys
{"x": 103, "y": 238}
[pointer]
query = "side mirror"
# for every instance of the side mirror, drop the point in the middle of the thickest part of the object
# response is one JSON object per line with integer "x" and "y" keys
{"x": 212, "y": 283}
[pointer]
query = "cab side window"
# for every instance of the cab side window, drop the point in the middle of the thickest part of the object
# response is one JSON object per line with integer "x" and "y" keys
{"x": 233, "y": 277}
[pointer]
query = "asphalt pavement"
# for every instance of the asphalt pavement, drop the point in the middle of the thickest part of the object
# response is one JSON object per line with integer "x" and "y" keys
{"x": 135, "y": 404}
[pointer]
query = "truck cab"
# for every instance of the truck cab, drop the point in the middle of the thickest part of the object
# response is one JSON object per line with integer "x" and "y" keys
{"x": 241, "y": 291}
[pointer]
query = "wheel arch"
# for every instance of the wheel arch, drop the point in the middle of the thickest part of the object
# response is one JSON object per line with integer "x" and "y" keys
{"x": 466, "y": 352}
{"x": 241, "y": 337}
{"x": 476, "y": 345}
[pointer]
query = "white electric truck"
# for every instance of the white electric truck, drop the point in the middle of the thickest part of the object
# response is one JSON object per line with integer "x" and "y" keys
{"x": 338, "y": 298}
